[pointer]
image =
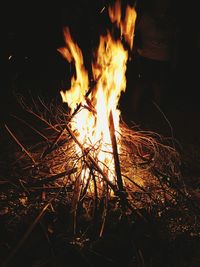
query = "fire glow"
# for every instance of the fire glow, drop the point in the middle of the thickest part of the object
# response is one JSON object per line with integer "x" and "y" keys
{"x": 100, "y": 108}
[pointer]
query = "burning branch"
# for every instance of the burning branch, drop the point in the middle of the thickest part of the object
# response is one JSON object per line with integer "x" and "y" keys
{"x": 91, "y": 159}
{"x": 115, "y": 153}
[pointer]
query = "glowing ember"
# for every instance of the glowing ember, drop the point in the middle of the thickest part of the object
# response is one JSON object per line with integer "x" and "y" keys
{"x": 91, "y": 122}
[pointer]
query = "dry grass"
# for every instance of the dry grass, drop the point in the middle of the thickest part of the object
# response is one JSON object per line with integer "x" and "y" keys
{"x": 47, "y": 170}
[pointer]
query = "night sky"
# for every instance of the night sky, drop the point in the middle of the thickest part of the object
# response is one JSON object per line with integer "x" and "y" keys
{"x": 33, "y": 32}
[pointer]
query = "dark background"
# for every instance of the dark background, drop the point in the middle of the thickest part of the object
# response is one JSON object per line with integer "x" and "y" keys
{"x": 32, "y": 32}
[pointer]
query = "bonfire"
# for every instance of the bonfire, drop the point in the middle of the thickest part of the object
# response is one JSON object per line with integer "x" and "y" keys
{"x": 88, "y": 156}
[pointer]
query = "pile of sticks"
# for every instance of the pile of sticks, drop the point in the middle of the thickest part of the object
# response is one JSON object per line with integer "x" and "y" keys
{"x": 147, "y": 166}
{"x": 48, "y": 169}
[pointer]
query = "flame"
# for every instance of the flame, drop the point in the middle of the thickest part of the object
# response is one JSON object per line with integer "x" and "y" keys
{"x": 108, "y": 69}
{"x": 79, "y": 84}
{"x": 109, "y": 72}
{"x": 127, "y": 25}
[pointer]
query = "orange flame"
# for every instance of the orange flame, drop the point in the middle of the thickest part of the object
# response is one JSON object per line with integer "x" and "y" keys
{"x": 109, "y": 68}
{"x": 127, "y": 25}
{"x": 79, "y": 84}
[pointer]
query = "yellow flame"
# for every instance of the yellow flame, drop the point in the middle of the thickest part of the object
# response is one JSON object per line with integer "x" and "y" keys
{"x": 79, "y": 83}
{"x": 127, "y": 25}
{"x": 109, "y": 69}
{"x": 115, "y": 13}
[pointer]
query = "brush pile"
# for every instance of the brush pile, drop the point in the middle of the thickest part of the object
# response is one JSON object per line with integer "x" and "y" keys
{"x": 48, "y": 176}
